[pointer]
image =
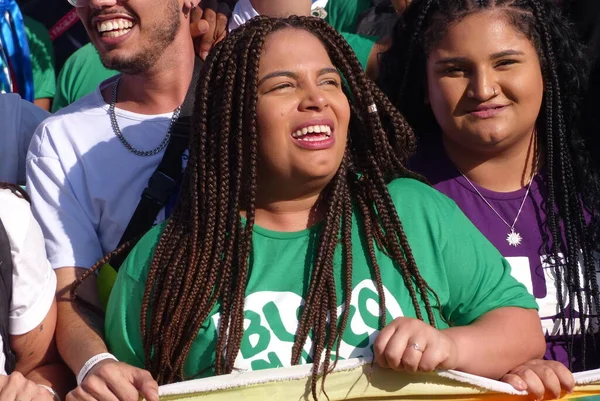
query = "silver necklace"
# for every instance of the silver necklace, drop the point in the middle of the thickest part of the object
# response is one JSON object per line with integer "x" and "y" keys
{"x": 119, "y": 134}
{"x": 513, "y": 238}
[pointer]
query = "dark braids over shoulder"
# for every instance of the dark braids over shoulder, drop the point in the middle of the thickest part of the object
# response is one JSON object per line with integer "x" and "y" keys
{"x": 573, "y": 177}
{"x": 202, "y": 259}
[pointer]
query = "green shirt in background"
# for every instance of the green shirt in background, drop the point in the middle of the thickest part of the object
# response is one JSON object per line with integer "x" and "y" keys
{"x": 468, "y": 274}
{"x": 343, "y": 16}
{"x": 80, "y": 76}
{"x": 83, "y": 71}
{"x": 42, "y": 58}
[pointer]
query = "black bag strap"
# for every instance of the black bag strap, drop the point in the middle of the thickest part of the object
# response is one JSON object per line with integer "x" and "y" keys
{"x": 164, "y": 180}
{"x": 6, "y": 270}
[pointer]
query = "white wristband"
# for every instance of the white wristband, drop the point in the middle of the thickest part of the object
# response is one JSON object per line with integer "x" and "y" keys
{"x": 93, "y": 361}
{"x": 56, "y": 397}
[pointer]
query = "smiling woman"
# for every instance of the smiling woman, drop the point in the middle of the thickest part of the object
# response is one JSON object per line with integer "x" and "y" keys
{"x": 289, "y": 246}
{"x": 493, "y": 89}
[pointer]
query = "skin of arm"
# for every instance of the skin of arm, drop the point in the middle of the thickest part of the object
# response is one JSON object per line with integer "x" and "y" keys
{"x": 75, "y": 322}
{"x": 282, "y": 8}
{"x": 38, "y": 359}
{"x": 79, "y": 336}
{"x": 515, "y": 332}
{"x": 44, "y": 103}
{"x": 372, "y": 69}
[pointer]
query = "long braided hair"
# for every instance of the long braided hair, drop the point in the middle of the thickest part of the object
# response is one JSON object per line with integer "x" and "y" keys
{"x": 573, "y": 180}
{"x": 202, "y": 258}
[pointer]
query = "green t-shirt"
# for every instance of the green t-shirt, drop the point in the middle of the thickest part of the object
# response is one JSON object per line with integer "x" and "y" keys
{"x": 343, "y": 16}
{"x": 468, "y": 274}
{"x": 42, "y": 58}
{"x": 81, "y": 74}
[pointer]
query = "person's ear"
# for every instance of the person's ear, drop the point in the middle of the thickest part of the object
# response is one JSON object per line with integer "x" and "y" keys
{"x": 188, "y": 6}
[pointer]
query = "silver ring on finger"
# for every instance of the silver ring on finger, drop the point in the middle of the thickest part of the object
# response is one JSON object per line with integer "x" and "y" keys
{"x": 415, "y": 346}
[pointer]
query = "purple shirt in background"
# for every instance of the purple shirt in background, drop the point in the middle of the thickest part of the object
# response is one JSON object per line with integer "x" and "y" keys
{"x": 528, "y": 260}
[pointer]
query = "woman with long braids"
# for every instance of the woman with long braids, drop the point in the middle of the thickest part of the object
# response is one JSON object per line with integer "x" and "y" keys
{"x": 492, "y": 89}
{"x": 300, "y": 236}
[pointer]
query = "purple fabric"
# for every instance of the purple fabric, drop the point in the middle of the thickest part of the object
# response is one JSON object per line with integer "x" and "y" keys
{"x": 528, "y": 260}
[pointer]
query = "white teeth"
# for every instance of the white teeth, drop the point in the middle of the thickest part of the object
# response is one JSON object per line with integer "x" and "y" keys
{"x": 118, "y": 24}
{"x": 116, "y": 34}
{"x": 316, "y": 129}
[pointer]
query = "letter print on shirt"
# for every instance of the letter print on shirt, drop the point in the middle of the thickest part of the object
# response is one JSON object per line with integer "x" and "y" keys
{"x": 272, "y": 319}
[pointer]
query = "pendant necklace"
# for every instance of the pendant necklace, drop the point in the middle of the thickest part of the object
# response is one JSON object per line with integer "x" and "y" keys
{"x": 513, "y": 238}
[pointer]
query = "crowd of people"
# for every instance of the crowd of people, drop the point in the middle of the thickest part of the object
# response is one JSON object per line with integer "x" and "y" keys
{"x": 245, "y": 185}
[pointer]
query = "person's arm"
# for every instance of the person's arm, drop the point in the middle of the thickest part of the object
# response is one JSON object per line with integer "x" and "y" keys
{"x": 282, "y": 8}
{"x": 71, "y": 239}
{"x": 34, "y": 348}
{"x": 44, "y": 103}
{"x": 79, "y": 336}
{"x": 77, "y": 321}
{"x": 516, "y": 336}
{"x": 32, "y": 318}
{"x": 507, "y": 336}
{"x": 372, "y": 68}
{"x": 38, "y": 359}
{"x": 493, "y": 320}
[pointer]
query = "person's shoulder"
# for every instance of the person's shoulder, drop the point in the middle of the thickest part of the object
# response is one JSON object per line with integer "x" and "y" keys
{"x": 15, "y": 212}
{"x": 35, "y": 27}
{"x": 74, "y": 124}
{"x": 15, "y": 112}
{"x": 10, "y": 102}
{"x": 79, "y": 111}
{"x": 412, "y": 191}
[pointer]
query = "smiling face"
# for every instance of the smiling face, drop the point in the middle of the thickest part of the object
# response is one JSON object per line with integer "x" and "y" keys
{"x": 131, "y": 35}
{"x": 484, "y": 83}
{"x": 302, "y": 112}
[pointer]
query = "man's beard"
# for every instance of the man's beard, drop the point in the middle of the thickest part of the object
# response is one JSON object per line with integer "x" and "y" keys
{"x": 159, "y": 37}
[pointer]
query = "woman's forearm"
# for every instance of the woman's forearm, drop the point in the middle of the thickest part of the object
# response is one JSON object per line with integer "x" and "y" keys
{"x": 507, "y": 337}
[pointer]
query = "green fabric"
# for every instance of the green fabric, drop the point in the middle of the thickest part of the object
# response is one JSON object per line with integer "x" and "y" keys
{"x": 42, "y": 58}
{"x": 343, "y": 16}
{"x": 107, "y": 276}
{"x": 83, "y": 71}
{"x": 468, "y": 274}
{"x": 80, "y": 76}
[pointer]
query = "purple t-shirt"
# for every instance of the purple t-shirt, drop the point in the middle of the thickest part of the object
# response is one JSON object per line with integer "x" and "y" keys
{"x": 529, "y": 259}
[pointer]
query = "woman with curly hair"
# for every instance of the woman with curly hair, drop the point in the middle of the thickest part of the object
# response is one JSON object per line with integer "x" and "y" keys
{"x": 493, "y": 88}
{"x": 300, "y": 235}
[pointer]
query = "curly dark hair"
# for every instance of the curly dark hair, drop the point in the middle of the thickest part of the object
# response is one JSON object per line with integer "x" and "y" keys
{"x": 202, "y": 258}
{"x": 573, "y": 180}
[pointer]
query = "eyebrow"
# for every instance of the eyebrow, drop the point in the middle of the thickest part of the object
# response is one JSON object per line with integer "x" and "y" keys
{"x": 289, "y": 74}
{"x": 494, "y": 56}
